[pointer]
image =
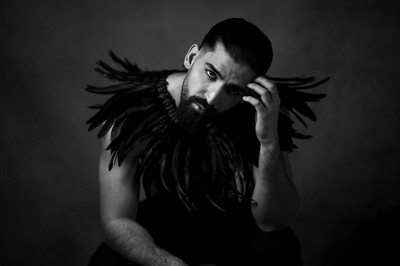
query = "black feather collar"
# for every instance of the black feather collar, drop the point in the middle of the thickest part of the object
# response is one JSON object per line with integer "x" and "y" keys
{"x": 212, "y": 166}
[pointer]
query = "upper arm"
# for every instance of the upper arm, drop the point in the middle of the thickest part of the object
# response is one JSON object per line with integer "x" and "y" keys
{"x": 119, "y": 188}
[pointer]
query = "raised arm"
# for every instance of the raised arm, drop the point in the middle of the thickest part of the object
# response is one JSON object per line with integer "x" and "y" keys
{"x": 119, "y": 200}
{"x": 275, "y": 197}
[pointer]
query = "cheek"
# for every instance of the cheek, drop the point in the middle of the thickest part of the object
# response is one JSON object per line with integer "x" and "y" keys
{"x": 195, "y": 84}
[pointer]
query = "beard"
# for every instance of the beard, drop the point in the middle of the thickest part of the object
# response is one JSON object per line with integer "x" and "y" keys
{"x": 193, "y": 113}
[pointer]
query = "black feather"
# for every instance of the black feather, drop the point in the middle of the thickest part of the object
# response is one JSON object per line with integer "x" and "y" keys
{"x": 210, "y": 166}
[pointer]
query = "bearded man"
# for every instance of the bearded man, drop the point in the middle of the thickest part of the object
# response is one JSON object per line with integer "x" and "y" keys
{"x": 208, "y": 148}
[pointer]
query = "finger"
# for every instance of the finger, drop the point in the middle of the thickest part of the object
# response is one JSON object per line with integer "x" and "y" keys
{"x": 265, "y": 95}
{"x": 256, "y": 103}
{"x": 270, "y": 86}
{"x": 266, "y": 83}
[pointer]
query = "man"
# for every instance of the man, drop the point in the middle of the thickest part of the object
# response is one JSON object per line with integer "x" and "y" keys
{"x": 205, "y": 146}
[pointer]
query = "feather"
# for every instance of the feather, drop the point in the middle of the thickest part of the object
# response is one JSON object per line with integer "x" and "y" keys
{"x": 293, "y": 111}
{"x": 312, "y": 85}
{"x": 109, "y": 110}
{"x": 105, "y": 128}
{"x": 110, "y": 89}
{"x": 187, "y": 166}
{"x": 212, "y": 166}
{"x": 131, "y": 68}
{"x": 163, "y": 172}
{"x": 293, "y": 80}
{"x": 301, "y": 136}
{"x": 304, "y": 109}
{"x": 175, "y": 169}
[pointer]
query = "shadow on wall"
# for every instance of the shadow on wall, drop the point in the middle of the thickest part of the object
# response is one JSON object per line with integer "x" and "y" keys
{"x": 373, "y": 241}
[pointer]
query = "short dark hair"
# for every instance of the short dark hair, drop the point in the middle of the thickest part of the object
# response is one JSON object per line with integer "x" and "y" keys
{"x": 244, "y": 42}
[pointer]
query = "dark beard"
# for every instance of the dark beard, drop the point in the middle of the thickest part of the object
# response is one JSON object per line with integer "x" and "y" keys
{"x": 190, "y": 119}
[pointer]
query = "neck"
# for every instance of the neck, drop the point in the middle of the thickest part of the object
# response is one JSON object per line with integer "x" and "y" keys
{"x": 175, "y": 81}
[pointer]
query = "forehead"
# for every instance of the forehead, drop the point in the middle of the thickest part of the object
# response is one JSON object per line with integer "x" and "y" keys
{"x": 232, "y": 71}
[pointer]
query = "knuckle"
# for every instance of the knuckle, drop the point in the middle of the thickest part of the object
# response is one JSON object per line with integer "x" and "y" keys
{"x": 257, "y": 102}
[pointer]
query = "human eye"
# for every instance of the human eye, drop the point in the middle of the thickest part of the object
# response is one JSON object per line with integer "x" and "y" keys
{"x": 211, "y": 75}
{"x": 235, "y": 91}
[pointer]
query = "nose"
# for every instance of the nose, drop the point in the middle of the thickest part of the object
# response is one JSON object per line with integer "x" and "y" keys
{"x": 214, "y": 94}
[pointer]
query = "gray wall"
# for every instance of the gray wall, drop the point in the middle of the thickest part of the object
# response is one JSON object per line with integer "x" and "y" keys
{"x": 347, "y": 175}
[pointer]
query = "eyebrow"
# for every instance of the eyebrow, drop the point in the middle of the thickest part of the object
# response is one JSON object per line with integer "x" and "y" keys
{"x": 233, "y": 86}
{"x": 215, "y": 70}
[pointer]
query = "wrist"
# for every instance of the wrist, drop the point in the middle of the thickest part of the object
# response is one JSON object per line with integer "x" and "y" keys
{"x": 269, "y": 137}
{"x": 270, "y": 145}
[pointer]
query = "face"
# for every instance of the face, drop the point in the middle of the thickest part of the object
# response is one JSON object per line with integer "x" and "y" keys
{"x": 214, "y": 79}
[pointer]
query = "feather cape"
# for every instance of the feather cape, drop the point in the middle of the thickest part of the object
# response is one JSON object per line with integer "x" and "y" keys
{"x": 210, "y": 167}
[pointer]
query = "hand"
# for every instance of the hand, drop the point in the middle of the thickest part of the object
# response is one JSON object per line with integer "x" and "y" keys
{"x": 267, "y": 109}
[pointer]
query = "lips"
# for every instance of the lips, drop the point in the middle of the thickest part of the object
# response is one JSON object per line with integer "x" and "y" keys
{"x": 198, "y": 107}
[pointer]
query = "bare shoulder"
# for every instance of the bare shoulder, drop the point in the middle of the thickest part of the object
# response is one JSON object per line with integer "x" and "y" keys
{"x": 119, "y": 186}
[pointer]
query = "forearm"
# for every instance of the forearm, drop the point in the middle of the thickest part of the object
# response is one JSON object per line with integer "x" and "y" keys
{"x": 133, "y": 242}
{"x": 275, "y": 197}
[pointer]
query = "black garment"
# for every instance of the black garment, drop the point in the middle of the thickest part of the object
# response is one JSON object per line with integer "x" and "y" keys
{"x": 252, "y": 249}
{"x": 213, "y": 236}
{"x": 263, "y": 249}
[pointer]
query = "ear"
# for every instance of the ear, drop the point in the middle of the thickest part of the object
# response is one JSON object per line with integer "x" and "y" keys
{"x": 191, "y": 54}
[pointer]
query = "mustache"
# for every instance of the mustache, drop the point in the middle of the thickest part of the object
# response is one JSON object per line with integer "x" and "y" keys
{"x": 208, "y": 110}
{"x": 192, "y": 120}
{"x": 199, "y": 100}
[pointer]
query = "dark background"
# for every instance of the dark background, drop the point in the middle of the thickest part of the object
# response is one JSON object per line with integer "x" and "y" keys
{"x": 347, "y": 175}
